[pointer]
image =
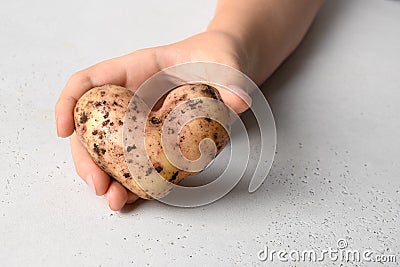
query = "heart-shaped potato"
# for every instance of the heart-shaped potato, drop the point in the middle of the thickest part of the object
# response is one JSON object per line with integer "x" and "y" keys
{"x": 99, "y": 118}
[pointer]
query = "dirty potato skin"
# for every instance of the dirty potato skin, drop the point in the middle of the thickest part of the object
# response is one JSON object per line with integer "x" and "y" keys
{"x": 99, "y": 116}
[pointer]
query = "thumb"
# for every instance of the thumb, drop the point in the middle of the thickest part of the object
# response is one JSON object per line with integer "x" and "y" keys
{"x": 235, "y": 97}
{"x": 234, "y": 86}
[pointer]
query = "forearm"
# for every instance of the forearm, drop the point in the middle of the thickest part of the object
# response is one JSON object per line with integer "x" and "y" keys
{"x": 267, "y": 30}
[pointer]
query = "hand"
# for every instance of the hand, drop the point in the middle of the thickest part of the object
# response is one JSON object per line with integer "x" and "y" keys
{"x": 131, "y": 71}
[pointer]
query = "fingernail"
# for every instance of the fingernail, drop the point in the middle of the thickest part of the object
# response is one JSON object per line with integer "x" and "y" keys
{"x": 58, "y": 134}
{"x": 241, "y": 93}
{"x": 108, "y": 199}
{"x": 89, "y": 181}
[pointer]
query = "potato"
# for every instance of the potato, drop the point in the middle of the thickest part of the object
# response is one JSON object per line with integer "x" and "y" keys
{"x": 99, "y": 118}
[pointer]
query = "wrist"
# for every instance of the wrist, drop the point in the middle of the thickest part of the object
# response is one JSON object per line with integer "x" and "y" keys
{"x": 267, "y": 31}
{"x": 244, "y": 41}
{"x": 237, "y": 46}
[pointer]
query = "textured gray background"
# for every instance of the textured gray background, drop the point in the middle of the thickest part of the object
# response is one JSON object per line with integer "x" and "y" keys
{"x": 336, "y": 172}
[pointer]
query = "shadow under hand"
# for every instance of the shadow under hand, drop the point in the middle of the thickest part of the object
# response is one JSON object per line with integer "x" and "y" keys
{"x": 291, "y": 68}
{"x": 128, "y": 208}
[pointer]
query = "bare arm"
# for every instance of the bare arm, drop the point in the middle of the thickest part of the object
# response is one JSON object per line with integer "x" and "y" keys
{"x": 267, "y": 30}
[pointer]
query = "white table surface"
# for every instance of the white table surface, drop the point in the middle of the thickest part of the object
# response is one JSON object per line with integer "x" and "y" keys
{"x": 336, "y": 172}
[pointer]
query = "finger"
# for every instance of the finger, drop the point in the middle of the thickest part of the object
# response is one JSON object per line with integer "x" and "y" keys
{"x": 87, "y": 169}
{"x": 131, "y": 198}
{"x": 129, "y": 71}
{"x": 117, "y": 196}
{"x": 81, "y": 82}
{"x": 236, "y": 102}
{"x": 236, "y": 98}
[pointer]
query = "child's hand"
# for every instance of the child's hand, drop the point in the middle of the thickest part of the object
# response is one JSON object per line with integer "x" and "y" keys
{"x": 131, "y": 71}
{"x": 253, "y": 36}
